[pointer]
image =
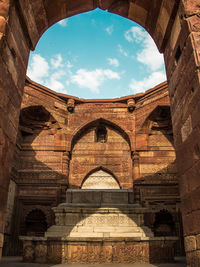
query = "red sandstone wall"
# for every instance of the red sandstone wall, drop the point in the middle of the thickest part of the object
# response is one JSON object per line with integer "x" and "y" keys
{"x": 174, "y": 25}
{"x": 59, "y": 150}
{"x": 113, "y": 155}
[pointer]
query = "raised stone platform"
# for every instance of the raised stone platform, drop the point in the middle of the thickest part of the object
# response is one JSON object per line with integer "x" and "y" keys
{"x": 98, "y": 250}
{"x": 99, "y": 226}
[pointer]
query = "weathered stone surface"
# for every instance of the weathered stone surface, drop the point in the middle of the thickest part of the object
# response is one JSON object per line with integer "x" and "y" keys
{"x": 162, "y": 19}
{"x": 42, "y": 158}
{"x": 80, "y": 250}
{"x": 190, "y": 243}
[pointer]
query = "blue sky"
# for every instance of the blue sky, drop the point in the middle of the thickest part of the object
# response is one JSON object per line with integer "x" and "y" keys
{"x": 96, "y": 55}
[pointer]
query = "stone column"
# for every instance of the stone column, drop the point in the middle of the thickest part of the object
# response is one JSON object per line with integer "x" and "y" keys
{"x": 136, "y": 165}
{"x": 14, "y": 52}
{"x": 65, "y": 164}
{"x": 65, "y": 176}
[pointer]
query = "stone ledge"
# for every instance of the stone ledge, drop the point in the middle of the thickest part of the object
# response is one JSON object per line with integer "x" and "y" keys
{"x": 99, "y": 239}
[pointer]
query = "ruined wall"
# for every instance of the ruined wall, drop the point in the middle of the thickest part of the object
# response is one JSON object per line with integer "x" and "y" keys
{"x": 58, "y": 148}
{"x": 174, "y": 26}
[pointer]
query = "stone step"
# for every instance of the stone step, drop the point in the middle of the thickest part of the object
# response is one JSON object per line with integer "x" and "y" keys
{"x": 122, "y": 235}
{"x": 85, "y": 234}
{"x": 85, "y": 231}
{"x": 127, "y": 234}
{"x": 114, "y": 229}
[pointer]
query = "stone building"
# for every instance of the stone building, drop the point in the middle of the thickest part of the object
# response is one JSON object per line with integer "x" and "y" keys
{"x": 173, "y": 25}
{"x": 65, "y": 142}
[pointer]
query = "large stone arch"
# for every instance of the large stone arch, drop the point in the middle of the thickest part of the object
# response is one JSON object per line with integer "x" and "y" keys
{"x": 91, "y": 182}
{"x": 174, "y": 26}
{"x": 92, "y": 123}
{"x": 87, "y": 153}
{"x": 159, "y": 120}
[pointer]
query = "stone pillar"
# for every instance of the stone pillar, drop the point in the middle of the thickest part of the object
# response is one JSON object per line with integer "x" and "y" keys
{"x": 65, "y": 164}
{"x": 65, "y": 176}
{"x": 182, "y": 57}
{"x": 136, "y": 165}
{"x": 14, "y": 52}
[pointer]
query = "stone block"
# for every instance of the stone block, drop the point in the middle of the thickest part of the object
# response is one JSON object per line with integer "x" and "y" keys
{"x": 190, "y": 243}
{"x": 198, "y": 241}
{"x": 28, "y": 251}
{"x": 77, "y": 253}
{"x": 86, "y": 197}
{"x": 119, "y": 197}
{"x": 86, "y": 234}
{"x": 193, "y": 258}
{"x": 40, "y": 252}
{"x": 94, "y": 253}
{"x": 54, "y": 252}
{"x": 85, "y": 229}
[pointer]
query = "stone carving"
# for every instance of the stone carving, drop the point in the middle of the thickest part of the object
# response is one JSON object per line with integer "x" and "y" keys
{"x": 100, "y": 180}
{"x": 28, "y": 253}
{"x": 131, "y": 104}
{"x": 54, "y": 252}
{"x": 41, "y": 252}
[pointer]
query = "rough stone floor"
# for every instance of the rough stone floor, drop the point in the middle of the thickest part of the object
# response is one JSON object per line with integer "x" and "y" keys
{"x": 17, "y": 261}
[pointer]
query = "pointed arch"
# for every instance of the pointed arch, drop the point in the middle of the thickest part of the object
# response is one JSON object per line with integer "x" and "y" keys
{"x": 36, "y": 117}
{"x": 44, "y": 14}
{"x": 159, "y": 118}
{"x": 93, "y": 179}
{"x": 36, "y": 222}
{"x": 94, "y": 123}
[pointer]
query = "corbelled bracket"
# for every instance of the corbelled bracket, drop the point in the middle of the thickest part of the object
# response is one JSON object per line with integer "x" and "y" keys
{"x": 70, "y": 105}
{"x": 131, "y": 104}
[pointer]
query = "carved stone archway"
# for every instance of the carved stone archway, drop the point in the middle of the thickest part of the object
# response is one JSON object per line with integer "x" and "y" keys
{"x": 100, "y": 179}
{"x": 174, "y": 26}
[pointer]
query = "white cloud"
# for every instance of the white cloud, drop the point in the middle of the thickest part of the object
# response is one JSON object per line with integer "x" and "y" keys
{"x": 122, "y": 51}
{"x": 109, "y": 29}
{"x": 149, "y": 55}
{"x": 147, "y": 83}
{"x": 56, "y": 61}
{"x": 54, "y": 82}
{"x": 38, "y": 68}
{"x": 113, "y": 62}
{"x": 136, "y": 34}
{"x": 63, "y": 22}
{"x": 93, "y": 79}
{"x": 69, "y": 64}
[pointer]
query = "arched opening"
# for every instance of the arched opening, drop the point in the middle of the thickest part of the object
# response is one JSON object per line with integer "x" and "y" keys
{"x": 101, "y": 143}
{"x": 35, "y": 223}
{"x": 172, "y": 29}
{"x": 101, "y": 134}
{"x": 164, "y": 224}
{"x": 100, "y": 179}
{"x": 159, "y": 122}
{"x": 84, "y": 69}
